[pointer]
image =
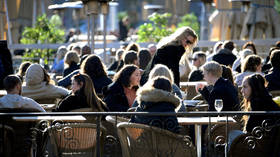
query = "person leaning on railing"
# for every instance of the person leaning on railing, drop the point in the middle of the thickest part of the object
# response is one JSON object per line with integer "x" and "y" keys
{"x": 256, "y": 98}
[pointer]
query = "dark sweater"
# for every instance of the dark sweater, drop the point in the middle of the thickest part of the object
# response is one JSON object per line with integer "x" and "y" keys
{"x": 170, "y": 56}
{"x": 273, "y": 79}
{"x": 223, "y": 89}
{"x": 72, "y": 102}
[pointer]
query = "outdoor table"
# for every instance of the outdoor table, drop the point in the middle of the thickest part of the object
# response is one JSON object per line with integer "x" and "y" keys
{"x": 189, "y": 88}
{"x": 198, "y": 121}
{"x": 50, "y": 118}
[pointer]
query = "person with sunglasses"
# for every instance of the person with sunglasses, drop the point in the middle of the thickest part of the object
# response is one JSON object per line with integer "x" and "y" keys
{"x": 199, "y": 58}
{"x": 170, "y": 50}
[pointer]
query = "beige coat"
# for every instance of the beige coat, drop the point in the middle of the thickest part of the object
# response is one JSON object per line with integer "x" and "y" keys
{"x": 36, "y": 88}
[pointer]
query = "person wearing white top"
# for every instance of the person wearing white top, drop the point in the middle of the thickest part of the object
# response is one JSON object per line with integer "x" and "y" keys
{"x": 13, "y": 99}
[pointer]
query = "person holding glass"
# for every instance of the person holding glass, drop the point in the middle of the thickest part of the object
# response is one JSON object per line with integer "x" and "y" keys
{"x": 222, "y": 88}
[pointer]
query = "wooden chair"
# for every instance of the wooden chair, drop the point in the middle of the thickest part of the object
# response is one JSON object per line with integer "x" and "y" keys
{"x": 262, "y": 144}
{"x": 75, "y": 139}
{"x": 275, "y": 93}
{"x": 138, "y": 140}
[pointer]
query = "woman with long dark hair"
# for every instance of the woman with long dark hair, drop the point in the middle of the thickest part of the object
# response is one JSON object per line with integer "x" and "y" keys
{"x": 120, "y": 95}
{"x": 83, "y": 96}
{"x": 256, "y": 98}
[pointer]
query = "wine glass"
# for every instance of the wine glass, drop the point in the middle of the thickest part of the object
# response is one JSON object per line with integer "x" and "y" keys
{"x": 219, "y": 105}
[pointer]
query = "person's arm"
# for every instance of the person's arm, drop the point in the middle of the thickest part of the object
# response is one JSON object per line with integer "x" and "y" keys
{"x": 64, "y": 105}
{"x": 30, "y": 103}
{"x": 66, "y": 81}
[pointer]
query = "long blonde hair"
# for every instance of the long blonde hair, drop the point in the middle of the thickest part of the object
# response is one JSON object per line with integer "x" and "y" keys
{"x": 176, "y": 37}
{"x": 161, "y": 70}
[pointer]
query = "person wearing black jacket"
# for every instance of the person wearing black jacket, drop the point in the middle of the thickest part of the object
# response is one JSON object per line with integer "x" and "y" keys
{"x": 222, "y": 88}
{"x": 257, "y": 98}
{"x": 83, "y": 96}
{"x": 120, "y": 95}
{"x": 156, "y": 96}
{"x": 6, "y": 63}
{"x": 225, "y": 55}
{"x": 273, "y": 78}
{"x": 170, "y": 50}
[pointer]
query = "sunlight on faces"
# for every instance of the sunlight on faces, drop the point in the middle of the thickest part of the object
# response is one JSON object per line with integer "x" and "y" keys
{"x": 246, "y": 89}
{"x": 75, "y": 86}
{"x": 135, "y": 78}
{"x": 188, "y": 41}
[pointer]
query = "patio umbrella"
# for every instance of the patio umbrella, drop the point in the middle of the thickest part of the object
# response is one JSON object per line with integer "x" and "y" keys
{"x": 226, "y": 20}
{"x": 262, "y": 21}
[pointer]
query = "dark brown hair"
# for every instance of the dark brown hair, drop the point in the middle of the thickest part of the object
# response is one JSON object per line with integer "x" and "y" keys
{"x": 250, "y": 63}
{"x": 130, "y": 57}
{"x": 88, "y": 91}
{"x": 250, "y": 43}
{"x": 123, "y": 76}
{"x": 93, "y": 67}
{"x": 10, "y": 82}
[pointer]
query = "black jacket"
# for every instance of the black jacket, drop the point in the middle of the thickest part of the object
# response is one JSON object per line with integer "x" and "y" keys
{"x": 115, "y": 98}
{"x": 156, "y": 100}
{"x": 223, "y": 89}
{"x": 170, "y": 56}
{"x": 196, "y": 75}
{"x": 73, "y": 66}
{"x": 100, "y": 83}
{"x": 72, "y": 102}
{"x": 264, "y": 103}
{"x": 113, "y": 66}
{"x": 273, "y": 79}
{"x": 225, "y": 57}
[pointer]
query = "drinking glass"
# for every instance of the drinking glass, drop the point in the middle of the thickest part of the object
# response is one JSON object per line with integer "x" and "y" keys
{"x": 219, "y": 105}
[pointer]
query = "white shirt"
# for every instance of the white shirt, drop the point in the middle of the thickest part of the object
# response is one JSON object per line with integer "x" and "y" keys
{"x": 17, "y": 101}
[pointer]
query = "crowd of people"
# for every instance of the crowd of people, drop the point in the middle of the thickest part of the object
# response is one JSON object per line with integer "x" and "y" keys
{"x": 148, "y": 79}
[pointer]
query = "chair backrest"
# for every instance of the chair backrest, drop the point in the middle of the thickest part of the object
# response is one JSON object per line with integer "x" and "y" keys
{"x": 6, "y": 140}
{"x": 114, "y": 120}
{"x": 275, "y": 93}
{"x": 140, "y": 140}
{"x": 75, "y": 139}
{"x": 259, "y": 144}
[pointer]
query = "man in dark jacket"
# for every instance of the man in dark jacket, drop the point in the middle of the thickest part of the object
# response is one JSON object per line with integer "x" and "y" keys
{"x": 225, "y": 55}
{"x": 273, "y": 77}
{"x": 222, "y": 88}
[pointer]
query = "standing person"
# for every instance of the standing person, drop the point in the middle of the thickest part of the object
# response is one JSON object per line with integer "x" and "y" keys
{"x": 170, "y": 50}
{"x": 120, "y": 95}
{"x": 13, "y": 99}
{"x": 83, "y": 96}
{"x": 123, "y": 28}
{"x": 256, "y": 98}
{"x": 6, "y": 62}
{"x": 222, "y": 88}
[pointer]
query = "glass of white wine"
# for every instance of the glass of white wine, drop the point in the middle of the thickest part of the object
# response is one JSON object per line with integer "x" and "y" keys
{"x": 218, "y": 105}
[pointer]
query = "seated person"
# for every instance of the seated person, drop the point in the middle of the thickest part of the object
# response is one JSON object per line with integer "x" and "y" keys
{"x": 22, "y": 69}
{"x": 83, "y": 96}
{"x": 13, "y": 99}
{"x": 71, "y": 61}
{"x": 222, "y": 88}
{"x": 120, "y": 95}
{"x": 273, "y": 78}
{"x": 130, "y": 57}
{"x": 58, "y": 64}
{"x": 225, "y": 55}
{"x": 256, "y": 98}
{"x": 38, "y": 85}
{"x": 252, "y": 64}
{"x": 156, "y": 96}
{"x": 118, "y": 58}
{"x": 199, "y": 58}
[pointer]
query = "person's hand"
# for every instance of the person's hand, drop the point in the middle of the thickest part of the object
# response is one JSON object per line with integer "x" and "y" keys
{"x": 199, "y": 87}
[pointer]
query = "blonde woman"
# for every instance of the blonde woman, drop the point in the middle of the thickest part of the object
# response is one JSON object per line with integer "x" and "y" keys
{"x": 58, "y": 64}
{"x": 71, "y": 61}
{"x": 170, "y": 50}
